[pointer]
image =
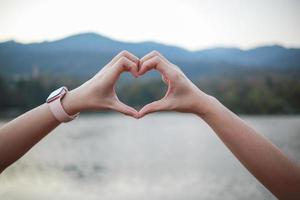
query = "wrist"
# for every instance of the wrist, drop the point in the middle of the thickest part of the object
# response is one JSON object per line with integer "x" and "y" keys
{"x": 73, "y": 102}
{"x": 207, "y": 106}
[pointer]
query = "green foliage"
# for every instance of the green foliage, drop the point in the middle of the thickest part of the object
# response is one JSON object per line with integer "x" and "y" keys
{"x": 137, "y": 93}
{"x": 246, "y": 93}
{"x": 256, "y": 93}
{"x": 21, "y": 94}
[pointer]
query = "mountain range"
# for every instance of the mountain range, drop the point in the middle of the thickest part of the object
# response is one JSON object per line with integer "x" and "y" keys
{"x": 84, "y": 54}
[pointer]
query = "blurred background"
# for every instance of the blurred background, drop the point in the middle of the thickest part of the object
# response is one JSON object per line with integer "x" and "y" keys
{"x": 245, "y": 53}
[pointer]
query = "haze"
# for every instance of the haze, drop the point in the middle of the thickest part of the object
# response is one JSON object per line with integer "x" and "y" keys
{"x": 193, "y": 24}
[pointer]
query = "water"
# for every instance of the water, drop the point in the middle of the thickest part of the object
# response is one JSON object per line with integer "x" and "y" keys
{"x": 159, "y": 157}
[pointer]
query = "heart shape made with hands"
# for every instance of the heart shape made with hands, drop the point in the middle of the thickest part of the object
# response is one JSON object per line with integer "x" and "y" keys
{"x": 137, "y": 92}
{"x": 146, "y": 64}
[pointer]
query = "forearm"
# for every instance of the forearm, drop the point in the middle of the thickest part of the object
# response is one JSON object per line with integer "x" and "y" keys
{"x": 19, "y": 135}
{"x": 98, "y": 93}
{"x": 22, "y": 133}
{"x": 264, "y": 160}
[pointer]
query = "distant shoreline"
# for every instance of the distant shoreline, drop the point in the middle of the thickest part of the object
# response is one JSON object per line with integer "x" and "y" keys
{"x": 9, "y": 116}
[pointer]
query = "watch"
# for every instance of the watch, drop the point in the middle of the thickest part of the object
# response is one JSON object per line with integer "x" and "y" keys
{"x": 54, "y": 102}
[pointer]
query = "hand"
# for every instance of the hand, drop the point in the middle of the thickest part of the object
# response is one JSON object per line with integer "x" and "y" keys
{"x": 182, "y": 95}
{"x": 98, "y": 93}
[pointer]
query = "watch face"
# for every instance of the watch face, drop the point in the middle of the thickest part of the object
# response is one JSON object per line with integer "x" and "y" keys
{"x": 56, "y": 94}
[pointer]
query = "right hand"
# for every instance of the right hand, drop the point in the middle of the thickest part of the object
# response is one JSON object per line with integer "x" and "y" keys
{"x": 182, "y": 95}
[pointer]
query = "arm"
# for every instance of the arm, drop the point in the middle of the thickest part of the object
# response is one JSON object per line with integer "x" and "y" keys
{"x": 264, "y": 160}
{"x": 20, "y": 134}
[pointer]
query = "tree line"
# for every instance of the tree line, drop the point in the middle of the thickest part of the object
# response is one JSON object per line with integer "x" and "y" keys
{"x": 246, "y": 93}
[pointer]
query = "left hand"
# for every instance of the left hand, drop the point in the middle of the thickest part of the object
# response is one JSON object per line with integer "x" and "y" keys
{"x": 98, "y": 93}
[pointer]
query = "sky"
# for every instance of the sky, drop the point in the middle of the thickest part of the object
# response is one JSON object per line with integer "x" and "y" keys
{"x": 192, "y": 24}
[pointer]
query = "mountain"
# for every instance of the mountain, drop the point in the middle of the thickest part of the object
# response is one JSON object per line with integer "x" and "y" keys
{"x": 84, "y": 54}
{"x": 266, "y": 56}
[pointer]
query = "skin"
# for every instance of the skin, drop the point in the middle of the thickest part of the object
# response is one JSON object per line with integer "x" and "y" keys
{"x": 264, "y": 160}
{"x": 98, "y": 93}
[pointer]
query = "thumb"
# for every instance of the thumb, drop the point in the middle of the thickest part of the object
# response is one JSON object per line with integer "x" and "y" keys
{"x": 125, "y": 109}
{"x": 155, "y": 106}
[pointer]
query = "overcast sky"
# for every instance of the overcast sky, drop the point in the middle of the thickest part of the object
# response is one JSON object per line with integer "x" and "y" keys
{"x": 193, "y": 24}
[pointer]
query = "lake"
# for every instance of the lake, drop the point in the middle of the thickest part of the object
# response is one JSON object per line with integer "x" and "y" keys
{"x": 164, "y": 156}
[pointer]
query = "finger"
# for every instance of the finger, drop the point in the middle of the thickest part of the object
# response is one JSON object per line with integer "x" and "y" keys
{"x": 155, "y": 62}
{"x": 124, "y": 64}
{"x": 165, "y": 80}
{"x": 155, "y": 106}
{"x": 125, "y": 109}
{"x": 126, "y": 54}
{"x": 151, "y": 55}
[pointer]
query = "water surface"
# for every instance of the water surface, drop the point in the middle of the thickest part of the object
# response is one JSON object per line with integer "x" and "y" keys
{"x": 160, "y": 157}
